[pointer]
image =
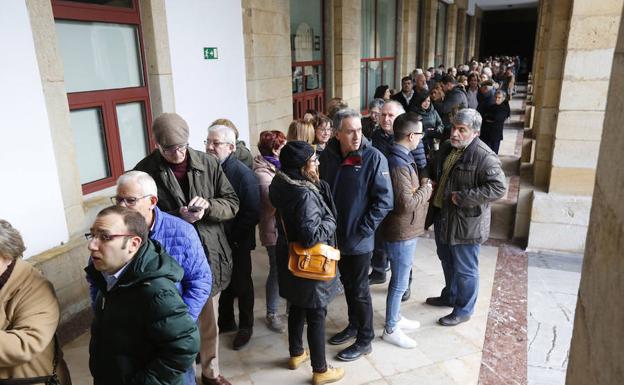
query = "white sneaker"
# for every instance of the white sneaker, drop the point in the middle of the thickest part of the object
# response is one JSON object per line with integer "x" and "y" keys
{"x": 399, "y": 338}
{"x": 408, "y": 325}
{"x": 275, "y": 323}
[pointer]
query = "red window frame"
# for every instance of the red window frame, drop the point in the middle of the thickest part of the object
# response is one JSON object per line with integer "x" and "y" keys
{"x": 380, "y": 59}
{"x": 313, "y": 99}
{"x": 107, "y": 100}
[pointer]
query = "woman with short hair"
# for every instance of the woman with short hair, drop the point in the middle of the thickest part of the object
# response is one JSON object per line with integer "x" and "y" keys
{"x": 29, "y": 316}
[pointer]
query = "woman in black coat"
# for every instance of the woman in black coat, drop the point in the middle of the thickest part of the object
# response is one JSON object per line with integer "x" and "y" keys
{"x": 433, "y": 127}
{"x": 494, "y": 117}
{"x": 305, "y": 214}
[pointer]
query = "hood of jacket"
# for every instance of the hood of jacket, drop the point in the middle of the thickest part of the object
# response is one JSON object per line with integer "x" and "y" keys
{"x": 261, "y": 164}
{"x": 150, "y": 262}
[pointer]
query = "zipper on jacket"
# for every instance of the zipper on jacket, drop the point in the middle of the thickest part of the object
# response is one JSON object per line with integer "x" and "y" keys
{"x": 103, "y": 301}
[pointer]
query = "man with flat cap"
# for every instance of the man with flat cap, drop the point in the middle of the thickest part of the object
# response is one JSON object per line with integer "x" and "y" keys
{"x": 192, "y": 185}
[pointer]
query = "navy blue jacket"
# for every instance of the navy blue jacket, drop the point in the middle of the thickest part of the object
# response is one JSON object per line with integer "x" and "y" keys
{"x": 362, "y": 192}
{"x": 241, "y": 231}
{"x": 384, "y": 142}
{"x": 180, "y": 240}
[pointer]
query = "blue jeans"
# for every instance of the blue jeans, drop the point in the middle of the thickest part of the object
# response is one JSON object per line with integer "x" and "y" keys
{"x": 460, "y": 264}
{"x": 272, "y": 288}
{"x": 401, "y": 256}
{"x": 189, "y": 376}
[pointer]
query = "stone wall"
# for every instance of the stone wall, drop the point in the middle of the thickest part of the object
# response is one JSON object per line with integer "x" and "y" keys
{"x": 347, "y": 50}
{"x": 266, "y": 30}
{"x": 451, "y": 35}
{"x": 408, "y": 37}
{"x": 598, "y": 336}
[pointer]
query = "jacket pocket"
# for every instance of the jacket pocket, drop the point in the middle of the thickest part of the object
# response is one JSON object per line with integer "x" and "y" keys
{"x": 468, "y": 223}
{"x": 464, "y": 176}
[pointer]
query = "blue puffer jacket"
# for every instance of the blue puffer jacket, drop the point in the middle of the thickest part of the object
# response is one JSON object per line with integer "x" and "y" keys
{"x": 180, "y": 240}
{"x": 362, "y": 192}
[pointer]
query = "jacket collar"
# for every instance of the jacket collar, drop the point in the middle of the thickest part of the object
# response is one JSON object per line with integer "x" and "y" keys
{"x": 296, "y": 182}
{"x": 334, "y": 147}
{"x": 400, "y": 153}
{"x": 194, "y": 160}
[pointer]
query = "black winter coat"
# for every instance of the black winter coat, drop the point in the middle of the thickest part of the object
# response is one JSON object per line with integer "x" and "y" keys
{"x": 241, "y": 231}
{"x": 432, "y": 126}
{"x": 308, "y": 213}
{"x": 494, "y": 116}
{"x": 142, "y": 332}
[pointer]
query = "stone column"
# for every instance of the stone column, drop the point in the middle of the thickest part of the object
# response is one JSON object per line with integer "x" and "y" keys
{"x": 347, "y": 50}
{"x": 472, "y": 38}
{"x": 477, "y": 21}
{"x": 53, "y": 84}
{"x": 157, "y": 56}
{"x": 428, "y": 42}
{"x": 598, "y": 338}
{"x": 409, "y": 34}
{"x": 451, "y": 35}
{"x": 266, "y": 30}
{"x": 460, "y": 41}
{"x": 571, "y": 108}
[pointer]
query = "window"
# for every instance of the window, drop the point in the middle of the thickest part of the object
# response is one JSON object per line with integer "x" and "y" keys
{"x": 105, "y": 79}
{"x": 440, "y": 42}
{"x": 378, "y": 36}
{"x": 307, "y": 64}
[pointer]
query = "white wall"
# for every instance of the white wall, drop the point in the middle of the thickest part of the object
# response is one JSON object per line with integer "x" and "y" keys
{"x": 205, "y": 90}
{"x": 30, "y": 194}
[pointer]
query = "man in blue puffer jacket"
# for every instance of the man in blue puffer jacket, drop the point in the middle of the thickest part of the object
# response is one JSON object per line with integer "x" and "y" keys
{"x": 137, "y": 190}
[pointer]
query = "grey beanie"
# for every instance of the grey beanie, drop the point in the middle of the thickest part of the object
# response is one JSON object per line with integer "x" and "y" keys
{"x": 170, "y": 129}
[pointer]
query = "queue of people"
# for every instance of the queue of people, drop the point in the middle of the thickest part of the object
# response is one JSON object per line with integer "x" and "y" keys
{"x": 172, "y": 255}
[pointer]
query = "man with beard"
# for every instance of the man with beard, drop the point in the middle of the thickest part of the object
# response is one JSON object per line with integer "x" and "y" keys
{"x": 468, "y": 177}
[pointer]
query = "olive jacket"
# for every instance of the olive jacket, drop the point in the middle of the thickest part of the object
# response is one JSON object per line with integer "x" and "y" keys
{"x": 207, "y": 180}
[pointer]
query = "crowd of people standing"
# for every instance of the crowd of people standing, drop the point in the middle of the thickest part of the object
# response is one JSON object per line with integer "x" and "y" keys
{"x": 172, "y": 255}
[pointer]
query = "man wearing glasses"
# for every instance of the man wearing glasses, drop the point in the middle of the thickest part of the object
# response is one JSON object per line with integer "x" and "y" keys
{"x": 191, "y": 184}
{"x": 141, "y": 332}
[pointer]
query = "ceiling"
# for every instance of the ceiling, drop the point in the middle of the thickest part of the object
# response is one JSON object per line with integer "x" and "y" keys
{"x": 494, "y": 5}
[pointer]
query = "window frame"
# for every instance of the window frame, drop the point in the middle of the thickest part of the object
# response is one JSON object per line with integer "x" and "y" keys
{"x": 108, "y": 99}
{"x": 382, "y": 60}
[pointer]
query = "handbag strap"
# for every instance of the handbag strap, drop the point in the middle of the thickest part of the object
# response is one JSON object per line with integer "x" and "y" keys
{"x": 57, "y": 353}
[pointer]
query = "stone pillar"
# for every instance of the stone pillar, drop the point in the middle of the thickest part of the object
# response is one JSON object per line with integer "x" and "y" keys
{"x": 478, "y": 17}
{"x": 53, "y": 84}
{"x": 428, "y": 41}
{"x": 556, "y": 27}
{"x": 472, "y": 38}
{"x": 571, "y": 104}
{"x": 598, "y": 338}
{"x": 266, "y": 30}
{"x": 460, "y": 41}
{"x": 451, "y": 35}
{"x": 347, "y": 50}
{"x": 409, "y": 34}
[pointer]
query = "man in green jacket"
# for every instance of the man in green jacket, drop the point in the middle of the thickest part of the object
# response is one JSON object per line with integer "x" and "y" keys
{"x": 192, "y": 185}
{"x": 141, "y": 332}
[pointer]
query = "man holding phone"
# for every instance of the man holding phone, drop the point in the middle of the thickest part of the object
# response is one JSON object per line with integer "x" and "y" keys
{"x": 192, "y": 185}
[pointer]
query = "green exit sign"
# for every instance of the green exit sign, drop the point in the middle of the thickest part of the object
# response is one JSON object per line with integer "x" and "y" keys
{"x": 211, "y": 53}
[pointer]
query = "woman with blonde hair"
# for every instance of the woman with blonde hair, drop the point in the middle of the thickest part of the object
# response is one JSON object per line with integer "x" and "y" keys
{"x": 301, "y": 129}
{"x": 29, "y": 352}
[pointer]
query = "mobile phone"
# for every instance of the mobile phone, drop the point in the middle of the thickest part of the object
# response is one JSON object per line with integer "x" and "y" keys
{"x": 194, "y": 209}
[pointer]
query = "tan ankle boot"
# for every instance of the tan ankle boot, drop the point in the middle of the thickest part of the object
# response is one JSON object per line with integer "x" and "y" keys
{"x": 296, "y": 361}
{"x": 331, "y": 375}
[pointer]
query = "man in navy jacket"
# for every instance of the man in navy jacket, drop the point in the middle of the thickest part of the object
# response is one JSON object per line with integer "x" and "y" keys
{"x": 240, "y": 232}
{"x": 360, "y": 182}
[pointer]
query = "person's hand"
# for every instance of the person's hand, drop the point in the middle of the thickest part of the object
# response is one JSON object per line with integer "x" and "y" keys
{"x": 195, "y": 209}
{"x": 424, "y": 181}
{"x": 454, "y": 198}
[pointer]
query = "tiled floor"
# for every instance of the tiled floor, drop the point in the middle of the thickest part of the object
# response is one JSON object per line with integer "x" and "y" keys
{"x": 553, "y": 290}
{"x": 444, "y": 356}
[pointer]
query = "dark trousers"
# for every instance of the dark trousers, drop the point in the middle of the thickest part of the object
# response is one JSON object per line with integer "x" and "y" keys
{"x": 354, "y": 277}
{"x": 494, "y": 144}
{"x": 379, "y": 261}
{"x": 241, "y": 287}
{"x": 315, "y": 318}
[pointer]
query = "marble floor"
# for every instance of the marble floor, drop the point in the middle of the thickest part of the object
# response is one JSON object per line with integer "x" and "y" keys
{"x": 444, "y": 356}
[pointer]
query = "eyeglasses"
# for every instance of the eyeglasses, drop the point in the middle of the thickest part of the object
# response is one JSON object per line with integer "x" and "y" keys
{"x": 212, "y": 142}
{"x": 173, "y": 148}
{"x": 104, "y": 237}
{"x": 416, "y": 133}
{"x": 327, "y": 129}
{"x": 131, "y": 201}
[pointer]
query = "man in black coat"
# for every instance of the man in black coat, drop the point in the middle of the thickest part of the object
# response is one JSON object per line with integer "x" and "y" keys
{"x": 455, "y": 98}
{"x": 240, "y": 232}
{"x": 406, "y": 96}
{"x": 362, "y": 191}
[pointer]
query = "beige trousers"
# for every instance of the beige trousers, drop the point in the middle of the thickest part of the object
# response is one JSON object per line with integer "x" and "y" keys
{"x": 209, "y": 336}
